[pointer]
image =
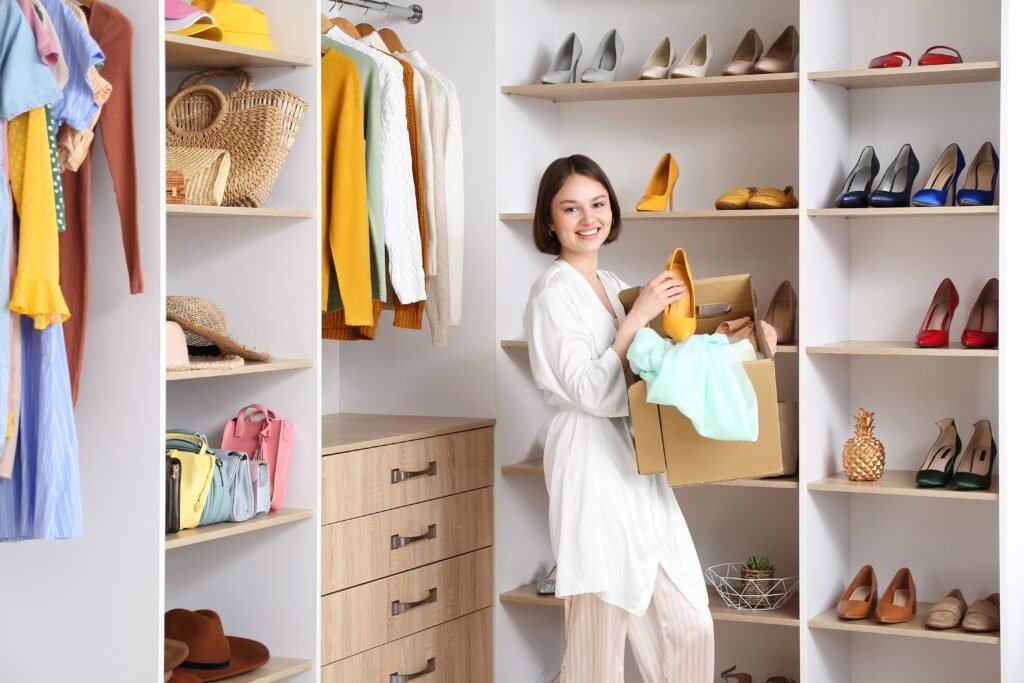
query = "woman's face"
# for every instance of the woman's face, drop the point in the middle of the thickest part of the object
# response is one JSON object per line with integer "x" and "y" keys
{"x": 581, "y": 215}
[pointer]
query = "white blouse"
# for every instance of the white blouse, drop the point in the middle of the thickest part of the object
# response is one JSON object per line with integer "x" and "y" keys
{"x": 610, "y": 526}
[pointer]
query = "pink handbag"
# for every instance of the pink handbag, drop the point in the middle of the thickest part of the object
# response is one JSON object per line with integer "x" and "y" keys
{"x": 263, "y": 435}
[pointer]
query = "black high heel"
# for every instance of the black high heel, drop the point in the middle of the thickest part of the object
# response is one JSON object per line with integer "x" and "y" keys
{"x": 854, "y": 194}
{"x": 895, "y": 186}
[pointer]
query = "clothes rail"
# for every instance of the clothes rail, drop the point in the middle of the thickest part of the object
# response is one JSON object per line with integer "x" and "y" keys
{"x": 414, "y": 13}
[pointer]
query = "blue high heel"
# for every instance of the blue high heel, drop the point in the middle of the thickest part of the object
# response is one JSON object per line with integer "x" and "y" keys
{"x": 854, "y": 194}
{"x": 941, "y": 185}
{"x": 980, "y": 186}
{"x": 894, "y": 188}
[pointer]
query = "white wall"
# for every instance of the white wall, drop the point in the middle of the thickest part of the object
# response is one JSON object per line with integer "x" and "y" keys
{"x": 72, "y": 606}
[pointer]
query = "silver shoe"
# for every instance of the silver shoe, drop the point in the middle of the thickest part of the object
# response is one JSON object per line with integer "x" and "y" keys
{"x": 605, "y": 65}
{"x": 564, "y": 66}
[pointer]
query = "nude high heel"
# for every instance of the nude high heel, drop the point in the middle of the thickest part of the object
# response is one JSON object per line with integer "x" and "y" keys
{"x": 738, "y": 677}
{"x": 781, "y": 313}
{"x": 746, "y": 55}
{"x": 680, "y": 319}
{"x": 781, "y": 56}
{"x": 660, "y": 61}
{"x": 661, "y": 186}
{"x": 695, "y": 61}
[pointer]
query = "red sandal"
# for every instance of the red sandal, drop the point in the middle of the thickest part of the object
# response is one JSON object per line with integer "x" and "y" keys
{"x": 891, "y": 61}
{"x": 930, "y": 58}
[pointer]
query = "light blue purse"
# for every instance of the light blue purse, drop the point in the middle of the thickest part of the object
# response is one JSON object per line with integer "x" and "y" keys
{"x": 259, "y": 473}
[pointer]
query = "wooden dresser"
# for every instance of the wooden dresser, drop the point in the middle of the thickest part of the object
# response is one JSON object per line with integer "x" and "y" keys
{"x": 407, "y": 565}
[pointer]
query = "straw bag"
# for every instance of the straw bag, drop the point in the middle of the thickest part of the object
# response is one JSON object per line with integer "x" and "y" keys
{"x": 195, "y": 111}
{"x": 175, "y": 187}
{"x": 251, "y": 137}
{"x": 205, "y": 171}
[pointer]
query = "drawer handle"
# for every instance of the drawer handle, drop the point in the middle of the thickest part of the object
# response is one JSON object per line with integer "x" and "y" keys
{"x": 398, "y": 475}
{"x": 401, "y": 541}
{"x": 397, "y": 606}
{"x": 402, "y": 678}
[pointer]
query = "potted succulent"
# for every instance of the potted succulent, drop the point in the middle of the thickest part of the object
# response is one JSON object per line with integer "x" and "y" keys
{"x": 758, "y": 579}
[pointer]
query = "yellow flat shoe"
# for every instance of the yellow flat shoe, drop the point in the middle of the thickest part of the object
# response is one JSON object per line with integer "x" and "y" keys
{"x": 659, "y": 190}
{"x": 679, "y": 320}
{"x": 773, "y": 198}
{"x": 735, "y": 199}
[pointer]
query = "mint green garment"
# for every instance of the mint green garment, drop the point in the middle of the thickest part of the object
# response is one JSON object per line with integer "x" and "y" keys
{"x": 367, "y": 69}
{"x": 701, "y": 380}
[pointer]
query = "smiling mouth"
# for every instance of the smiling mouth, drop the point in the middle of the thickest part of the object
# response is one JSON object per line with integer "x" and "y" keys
{"x": 588, "y": 233}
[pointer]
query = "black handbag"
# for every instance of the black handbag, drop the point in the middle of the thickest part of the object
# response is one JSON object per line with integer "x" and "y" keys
{"x": 172, "y": 506}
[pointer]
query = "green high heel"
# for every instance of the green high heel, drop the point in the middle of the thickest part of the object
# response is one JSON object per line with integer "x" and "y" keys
{"x": 937, "y": 470}
{"x": 975, "y": 471}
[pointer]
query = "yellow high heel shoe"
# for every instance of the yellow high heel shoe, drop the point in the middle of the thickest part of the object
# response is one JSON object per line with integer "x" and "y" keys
{"x": 660, "y": 188}
{"x": 679, "y": 320}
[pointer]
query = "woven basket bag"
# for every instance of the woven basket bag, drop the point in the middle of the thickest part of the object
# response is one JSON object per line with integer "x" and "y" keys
{"x": 205, "y": 171}
{"x": 251, "y": 136}
{"x": 196, "y": 112}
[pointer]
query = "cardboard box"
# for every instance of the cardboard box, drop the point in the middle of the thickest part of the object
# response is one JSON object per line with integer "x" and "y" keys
{"x": 666, "y": 440}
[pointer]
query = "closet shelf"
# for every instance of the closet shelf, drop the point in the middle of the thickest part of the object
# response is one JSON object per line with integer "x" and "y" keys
{"x": 908, "y": 212}
{"x": 249, "y": 368}
{"x": 535, "y": 468}
{"x": 215, "y": 532}
{"x": 235, "y": 212}
{"x": 899, "y": 483}
{"x": 789, "y": 615}
{"x": 973, "y": 72}
{"x": 184, "y": 52}
{"x": 522, "y": 344}
{"x": 277, "y": 669}
{"x": 915, "y": 628}
{"x": 898, "y": 348}
{"x": 709, "y": 214}
{"x": 712, "y": 86}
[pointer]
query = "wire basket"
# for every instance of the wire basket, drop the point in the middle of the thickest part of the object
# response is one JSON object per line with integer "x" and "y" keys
{"x": 750, "y": 594}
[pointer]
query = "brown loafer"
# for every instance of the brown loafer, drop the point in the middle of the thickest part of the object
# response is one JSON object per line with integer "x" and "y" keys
{"x": 861, "y": 595}
{"x": 947, "y": 612}
{"x": 983, "y": 615}
{"x": 899, "y": 602}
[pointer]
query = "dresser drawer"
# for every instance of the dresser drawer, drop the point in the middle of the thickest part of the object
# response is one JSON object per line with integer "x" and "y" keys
{"x": 373, "y": 614}
{"x": 375, "y": 546}
{"x": 455, "y": 652}
{"x": 376, "y": 479}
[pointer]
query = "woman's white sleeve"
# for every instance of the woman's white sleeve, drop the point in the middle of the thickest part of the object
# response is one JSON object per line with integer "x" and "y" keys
{"x": 562, "y": 360}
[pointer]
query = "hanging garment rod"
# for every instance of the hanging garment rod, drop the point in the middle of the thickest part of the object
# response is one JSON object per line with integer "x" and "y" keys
{"x": 414, "y": 13}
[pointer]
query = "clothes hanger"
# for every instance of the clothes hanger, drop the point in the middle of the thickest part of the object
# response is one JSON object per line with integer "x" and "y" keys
{"x": 365, "y": 29}
{"x": 392, "y": 40}
{"x": 325, "y": 26}
{"x": 347, "y": 26}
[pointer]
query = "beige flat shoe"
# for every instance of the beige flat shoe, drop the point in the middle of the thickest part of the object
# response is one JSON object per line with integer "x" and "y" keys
{"x": 983, "y": 615}
{"x": 947, "y": 612}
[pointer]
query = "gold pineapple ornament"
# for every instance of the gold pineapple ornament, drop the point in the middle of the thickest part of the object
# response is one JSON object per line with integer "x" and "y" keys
{"x": 863, "y": 454}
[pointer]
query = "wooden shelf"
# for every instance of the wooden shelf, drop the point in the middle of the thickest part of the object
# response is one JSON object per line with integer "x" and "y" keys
{"x": 974, "y": 72}
{"x": 250, "y": 367}
{"x": 235, "y": 212}
{"x": 914, "y": 628}
{"x": 344, "y": 432}
{"x": 215, "y": 532}
{"x": 711, "y": 86}
{"x": 899, "y": 483}
{"x": 185, "y": 52}
{"x": 897, "y": 348}
{"x": 789, "y": 615}
{"x": 277, "y": 669}
{"x": 522, "y": 344}
{"x": 702, "y": 215}
{"x": 535, "y": 468}
{"x": 909, "y": 212}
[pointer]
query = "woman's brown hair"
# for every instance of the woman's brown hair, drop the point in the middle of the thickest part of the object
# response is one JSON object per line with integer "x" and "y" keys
{"x": 551, "y": 182}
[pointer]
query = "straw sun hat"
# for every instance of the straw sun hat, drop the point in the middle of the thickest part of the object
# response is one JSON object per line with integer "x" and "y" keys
{"x": 204, "y": 325}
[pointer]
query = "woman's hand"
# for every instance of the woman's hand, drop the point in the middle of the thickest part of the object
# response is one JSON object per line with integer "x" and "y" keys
{"x": 661, "y": 291}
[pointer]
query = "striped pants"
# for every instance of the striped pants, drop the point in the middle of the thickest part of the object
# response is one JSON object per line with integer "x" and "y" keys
{"x": 672, "y": 642}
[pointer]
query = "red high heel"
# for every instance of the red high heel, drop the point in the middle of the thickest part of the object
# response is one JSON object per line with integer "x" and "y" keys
{"x": 982, "y": 328}
{"x": 944, "y": 305}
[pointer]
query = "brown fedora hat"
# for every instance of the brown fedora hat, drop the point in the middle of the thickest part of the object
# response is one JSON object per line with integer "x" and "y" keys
{"x": 212, "y": 656}
{"x": 205, "y": 325}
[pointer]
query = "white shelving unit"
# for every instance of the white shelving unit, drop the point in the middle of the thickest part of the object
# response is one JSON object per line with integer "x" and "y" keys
{"x": 261, "y": 266}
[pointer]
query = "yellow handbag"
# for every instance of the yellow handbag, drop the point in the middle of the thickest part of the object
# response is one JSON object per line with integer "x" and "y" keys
{"x": 196, "y": 477}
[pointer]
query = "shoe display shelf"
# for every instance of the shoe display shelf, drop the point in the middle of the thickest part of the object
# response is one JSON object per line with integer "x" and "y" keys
{"x": 261, "y": 266}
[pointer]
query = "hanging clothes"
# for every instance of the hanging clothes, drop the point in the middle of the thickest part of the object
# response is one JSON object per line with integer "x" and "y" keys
{"x": 60, "y": 69}
{"x": 113, "y": 32}
{"x": 77, "y": 106}
{"x": 346, "y": 229}
{"x": 401, "y": 224}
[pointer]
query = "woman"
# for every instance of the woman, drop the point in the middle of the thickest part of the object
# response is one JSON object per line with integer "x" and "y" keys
{"x": 626, "y": 562}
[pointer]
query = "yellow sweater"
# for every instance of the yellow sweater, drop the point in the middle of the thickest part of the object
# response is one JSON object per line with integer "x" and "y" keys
{"x": 36, "y": 290}
{"x": 346, "y": 222}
